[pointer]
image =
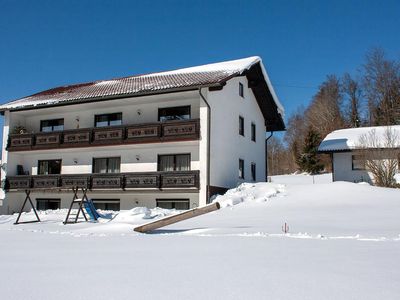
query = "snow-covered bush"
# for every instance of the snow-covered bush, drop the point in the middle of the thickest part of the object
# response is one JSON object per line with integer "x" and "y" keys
{"x": 381, "y": 156}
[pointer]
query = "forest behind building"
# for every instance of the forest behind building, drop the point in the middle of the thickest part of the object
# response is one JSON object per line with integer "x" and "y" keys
{"x": 370, "y": 97}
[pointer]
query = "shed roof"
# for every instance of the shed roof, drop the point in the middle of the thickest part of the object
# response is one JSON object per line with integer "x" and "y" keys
{"x": 349, "y": 139}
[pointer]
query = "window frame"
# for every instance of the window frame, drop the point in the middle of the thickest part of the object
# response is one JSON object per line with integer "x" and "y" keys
{"x": 106, "y": 202}
{"x": 174, "y": 107}
{"x": 241, "y": 126}
{"x": 108, "y": 159}
{"x": 44, "y": 160}
{"x": 173, "y": 201}
{"x": 253, "y": 131}
{"x": 174, "y": 155}
{"x": 108, "y": 120}
{"x": 47, "y": 200}
{"x": 241, "y": 90}
{"x": 253, "y": 170}
{"x": 241, "y": 169}
{"x": 353, "y": 168}
{"x": 52, "y": 126}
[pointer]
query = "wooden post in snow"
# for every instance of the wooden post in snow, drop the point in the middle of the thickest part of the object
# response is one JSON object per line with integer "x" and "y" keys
{"x": 177, "y": 218}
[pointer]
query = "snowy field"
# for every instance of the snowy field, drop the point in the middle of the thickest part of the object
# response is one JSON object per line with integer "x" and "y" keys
{"x": 343, "y": 243}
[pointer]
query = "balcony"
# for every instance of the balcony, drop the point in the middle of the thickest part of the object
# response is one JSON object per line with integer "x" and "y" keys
{"x": 116, "y": 135}
{"x": 115, "y": 181}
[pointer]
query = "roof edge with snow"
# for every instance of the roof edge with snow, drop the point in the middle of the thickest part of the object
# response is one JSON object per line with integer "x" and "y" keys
{"x": 210, "y": 75}
{"x": 344, "y": 140}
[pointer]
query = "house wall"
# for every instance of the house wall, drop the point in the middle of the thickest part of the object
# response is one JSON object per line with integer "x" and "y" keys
{"x": 148, "y": 107}
{"x": 227, "y": 146}
{"x": 4, "y": 161}
{"x": 203, "y": 149}
{"x": 146, "y": 154}
{"x": 342, "y": 169}
{"x": 134, "y": 111}
{"x": 128, "y": 199}
{"x": 2, "y": 194}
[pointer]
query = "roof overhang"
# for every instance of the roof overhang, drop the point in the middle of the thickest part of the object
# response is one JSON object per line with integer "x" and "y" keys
{"x": 111, "y": 97}
{"x": 213, "y": 76}
{"x": 335, "y": 151}
{"x": 263, "y": 91}
{"x": 357, "y": 150}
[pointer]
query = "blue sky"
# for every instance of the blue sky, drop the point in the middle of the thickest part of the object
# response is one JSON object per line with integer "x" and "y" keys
{"x": 44, "y": 44}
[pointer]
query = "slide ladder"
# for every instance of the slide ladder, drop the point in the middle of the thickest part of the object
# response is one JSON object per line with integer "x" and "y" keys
{"x": 84, "y": 206}
{"x": 79, "y": 203}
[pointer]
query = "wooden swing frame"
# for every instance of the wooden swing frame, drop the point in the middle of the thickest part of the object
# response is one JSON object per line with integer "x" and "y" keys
{"x": 27, "y": 198}
{"x": 81, "y": 201}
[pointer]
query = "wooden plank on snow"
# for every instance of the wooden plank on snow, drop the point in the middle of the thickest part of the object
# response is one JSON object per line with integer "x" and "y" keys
{"x": 178, "y": 217}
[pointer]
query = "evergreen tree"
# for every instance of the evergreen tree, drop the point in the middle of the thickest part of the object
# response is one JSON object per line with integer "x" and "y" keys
{"x": 308, "y": 161}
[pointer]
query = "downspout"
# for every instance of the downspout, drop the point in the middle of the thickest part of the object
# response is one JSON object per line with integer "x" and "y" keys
{"x": 208, "y": 145}
{"x": 266, "y": 155}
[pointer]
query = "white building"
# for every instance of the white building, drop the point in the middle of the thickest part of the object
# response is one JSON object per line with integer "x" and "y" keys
{"x": 2, "y": 195}
{"x": 345, "y": 146}
{"x": 169, "y": 139}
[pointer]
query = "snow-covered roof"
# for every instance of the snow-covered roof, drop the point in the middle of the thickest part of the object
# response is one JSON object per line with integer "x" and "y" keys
{"x": 349, "y": 139}
{"x": 201, "y": 76}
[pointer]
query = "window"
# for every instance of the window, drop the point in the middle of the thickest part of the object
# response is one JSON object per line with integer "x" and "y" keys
{"x": 253, "y": 171}
{"x": 180, "y": 204}
{"x": 47, "y": 167}
{"x": 241, "y": 168}
{"x": 253, "y": 132}
{"x": 52, "y": 125}
{"x": 241, "y": 126}
{"x": 241, "y": 91}
{"x": 21, "y": 171}
{"x": 174, "y": 113}
{"x": 45, "y": 204}
{"x": 108, "y": 120}
{"x": 174, "y": 162}
{"x": 358, "y": 162}
{"x": 107, "y": 204}
{"x": 106, "y": 165}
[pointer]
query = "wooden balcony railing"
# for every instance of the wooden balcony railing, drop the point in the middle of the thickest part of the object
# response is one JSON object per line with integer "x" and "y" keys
{"x": 20, "y": 141}
{"x": 115, "y": 135}
{"x": 44, "y": 140}
{"x": 45, "y": 181}
{"x": 119, "y": 181}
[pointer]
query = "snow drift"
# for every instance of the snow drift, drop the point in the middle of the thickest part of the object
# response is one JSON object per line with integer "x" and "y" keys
{"x": 257, "y": 192}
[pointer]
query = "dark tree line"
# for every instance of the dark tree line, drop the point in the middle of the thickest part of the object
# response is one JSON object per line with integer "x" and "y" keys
{"x": 369, "y": 98}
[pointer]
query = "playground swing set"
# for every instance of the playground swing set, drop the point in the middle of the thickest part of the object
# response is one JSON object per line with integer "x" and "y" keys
{"x": 86, "y": 204}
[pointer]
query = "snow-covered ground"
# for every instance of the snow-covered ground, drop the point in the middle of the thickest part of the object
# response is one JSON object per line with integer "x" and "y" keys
{"x": 343, "y": 243}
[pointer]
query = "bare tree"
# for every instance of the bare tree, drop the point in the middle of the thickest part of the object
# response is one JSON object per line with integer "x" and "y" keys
{"x": 295, "y": 134}
{"x": 275, "y": 150}
{"x": 380, "y": 153}
{"x": 382, "y": 88}
{"x": 324, "y": 113}
{"x": 279, "y": 161}
{"x": 352, "y": 93}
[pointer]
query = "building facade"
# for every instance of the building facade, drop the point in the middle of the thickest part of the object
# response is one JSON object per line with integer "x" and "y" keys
{"x": 170, "y": 139}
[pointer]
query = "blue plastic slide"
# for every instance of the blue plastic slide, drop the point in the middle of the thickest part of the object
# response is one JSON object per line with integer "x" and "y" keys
{"x": 92, "y": 212}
